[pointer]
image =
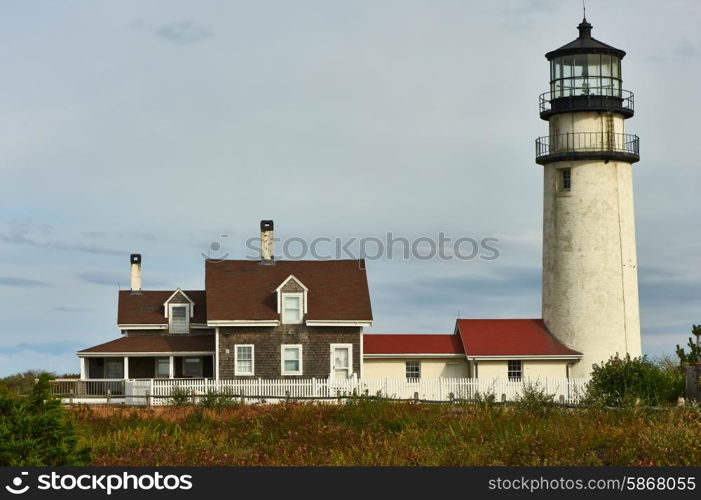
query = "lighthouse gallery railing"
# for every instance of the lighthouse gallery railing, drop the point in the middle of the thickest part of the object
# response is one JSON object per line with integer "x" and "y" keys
{"x": 576, "y": 142}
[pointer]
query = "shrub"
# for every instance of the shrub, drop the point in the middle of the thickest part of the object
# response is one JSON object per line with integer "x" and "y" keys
{"x": 37, "y": 430}
{"x": 534, "y": 400}
{"x": 694, "y": 354}
{"x": 630, "y": 381}
{"x": 179, "y": 396}
{"x": 21, "y": 383}
{"x": 486, "y": 400}
{"x": 221, "y": 399}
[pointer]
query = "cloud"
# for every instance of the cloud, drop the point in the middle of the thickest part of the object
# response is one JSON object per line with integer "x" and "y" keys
{"x": 109, "y": 278}
{"x": 687, "y": 49}
{"x": 35, "y": 234}
{"x": 72, "y": 309}
{"x": 663, "y": 287}
{"x": 30, "y": 360}
{"x": 119, "y": 278}
{"x": 183, "y": 33}
{"x": 57, "y": 347}
{"x": 8, "y": 281}
{"x": 506, "y": 281}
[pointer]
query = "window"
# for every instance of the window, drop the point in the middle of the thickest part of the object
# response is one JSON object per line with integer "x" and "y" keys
{"x": 515, "y": 369}
{"x": 162, "y": 367}
{"x": 292, "y": 308}
{"x": 243, "y": 364}
{"x": 291, "y": 359}
{"x": 341, "y": 361}
{"x": 413, "y": 370}
{"x": 114, "y": 368}
{"x": 192, "y": 367}
{"x": 565, "y": 179}
{"x": 179, "y": 320}
{"x": 585, "y": 74}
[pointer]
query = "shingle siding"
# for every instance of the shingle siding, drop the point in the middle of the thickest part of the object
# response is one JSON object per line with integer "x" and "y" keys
{"x": 316, "y": 348}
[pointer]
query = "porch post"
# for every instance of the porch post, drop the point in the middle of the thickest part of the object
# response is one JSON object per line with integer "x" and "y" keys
{"x": 216, "y": 353}
{"x": 83, "y": 371}
{"x": 126, "y": 367}
{"x": 171, "y": 367}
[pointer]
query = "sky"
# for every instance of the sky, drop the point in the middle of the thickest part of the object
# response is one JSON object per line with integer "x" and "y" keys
{"x": 158, "y": 127}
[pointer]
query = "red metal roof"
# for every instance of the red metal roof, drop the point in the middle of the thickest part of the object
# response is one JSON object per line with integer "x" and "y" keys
{"x": 156, "y": 343}
{"x": 509, "y": 337}
{"x": 245, "y": 289}
{"x": 376, "y": 343}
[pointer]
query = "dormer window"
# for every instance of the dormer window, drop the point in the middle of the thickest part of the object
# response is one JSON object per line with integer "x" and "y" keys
{"x": 292, "y": 301}
{"x": 292, "y": 308}
{"x": 179, "y": 318}
{"x": 179, "y": 309}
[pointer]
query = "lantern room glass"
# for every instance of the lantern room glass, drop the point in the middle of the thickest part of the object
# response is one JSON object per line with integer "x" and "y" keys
{"x": 585, "y": 74}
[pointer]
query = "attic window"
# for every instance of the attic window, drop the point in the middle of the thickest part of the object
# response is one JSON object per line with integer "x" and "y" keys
{"x": 291, "y": 300}
{"x": 292, "y": 308}
{"x": 179, "y": 318}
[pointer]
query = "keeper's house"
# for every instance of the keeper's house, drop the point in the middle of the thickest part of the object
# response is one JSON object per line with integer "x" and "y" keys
{"x": 301, "y": 319}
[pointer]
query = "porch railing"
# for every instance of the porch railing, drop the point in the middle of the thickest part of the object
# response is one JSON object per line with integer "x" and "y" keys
{"x": 87, "y": 388}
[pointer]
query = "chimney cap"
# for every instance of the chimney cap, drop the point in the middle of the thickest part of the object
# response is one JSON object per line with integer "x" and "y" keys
{"x": 266, "y": 225}
{"x": 135, "y": 258}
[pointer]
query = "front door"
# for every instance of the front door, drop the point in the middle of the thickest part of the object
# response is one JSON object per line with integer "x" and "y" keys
{"x": 341, "y": 361}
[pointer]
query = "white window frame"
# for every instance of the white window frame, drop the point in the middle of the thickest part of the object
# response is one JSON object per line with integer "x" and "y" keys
{"x": 237, "y": 370}
{"x": 187, "y": 318}
{"x": 299, "y": 320}
{"x": 282, "y": 359}
{"x": 332, "y": 368}
{"x": 406, "y": 363}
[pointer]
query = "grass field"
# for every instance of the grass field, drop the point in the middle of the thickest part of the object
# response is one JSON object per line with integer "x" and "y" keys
{"x": 373, "y": 433}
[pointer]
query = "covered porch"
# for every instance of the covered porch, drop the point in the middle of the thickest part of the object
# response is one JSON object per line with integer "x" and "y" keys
{"x": 147, "y": 366}
{"x": 147, "y": 357}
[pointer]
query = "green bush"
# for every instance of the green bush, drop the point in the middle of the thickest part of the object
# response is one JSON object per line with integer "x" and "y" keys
{"x": 179, "y": 396}
{"x": 222, "y": 399}
{"x": 21, "y": 383}
{"x": 535, "y": 401}
{"x": 634, "y": 381}
{"x": 36, "y": 430}
{"x": 486, "y": 400}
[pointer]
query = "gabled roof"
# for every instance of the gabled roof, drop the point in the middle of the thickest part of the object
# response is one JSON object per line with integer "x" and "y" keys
{"x": 156, "y": 344}
{"x": 177, "y": 292}
{"x": 509, "y": 337}
{"x": 292, "y": 277}
{"x": 146, "y": 307}
{"x": 245, "y": 289}
{"x": 376, "y": 343}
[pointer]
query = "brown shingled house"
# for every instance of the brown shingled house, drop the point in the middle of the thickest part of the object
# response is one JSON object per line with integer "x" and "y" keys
{"x": 267, "y": 319}
{"x": 273, "y": 319}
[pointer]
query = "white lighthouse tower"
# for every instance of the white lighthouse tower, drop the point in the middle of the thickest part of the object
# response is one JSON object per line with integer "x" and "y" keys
{"x": 590, "y": 283}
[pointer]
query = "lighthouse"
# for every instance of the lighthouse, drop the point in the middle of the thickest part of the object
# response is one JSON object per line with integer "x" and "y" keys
{"x": 590, "y": 284}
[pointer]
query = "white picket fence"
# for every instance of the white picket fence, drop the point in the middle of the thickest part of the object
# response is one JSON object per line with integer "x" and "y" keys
{"x": 161, "y": 391}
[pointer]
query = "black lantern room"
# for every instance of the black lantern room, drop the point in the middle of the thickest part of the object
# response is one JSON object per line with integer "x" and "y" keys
{"x": 585, "y": 74}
